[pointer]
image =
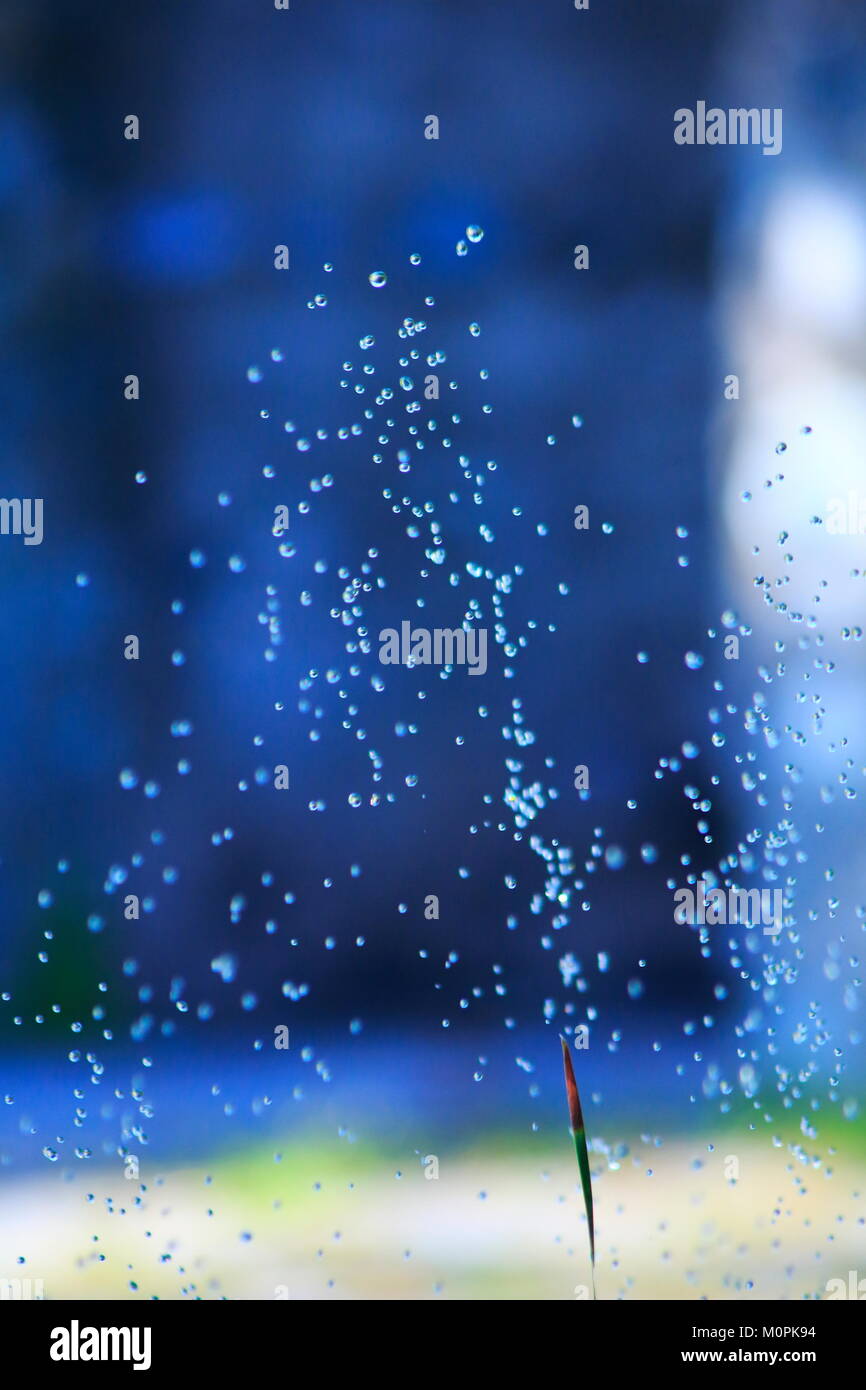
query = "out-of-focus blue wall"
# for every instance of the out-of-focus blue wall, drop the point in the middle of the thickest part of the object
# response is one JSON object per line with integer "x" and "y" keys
{"x": 155, "y": 257}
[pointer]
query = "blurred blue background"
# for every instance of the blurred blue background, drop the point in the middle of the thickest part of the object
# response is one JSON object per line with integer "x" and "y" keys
{"x": 306, "y": 128}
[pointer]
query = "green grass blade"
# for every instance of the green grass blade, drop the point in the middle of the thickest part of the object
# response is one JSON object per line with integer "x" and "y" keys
{"x": 579, "y": 1134}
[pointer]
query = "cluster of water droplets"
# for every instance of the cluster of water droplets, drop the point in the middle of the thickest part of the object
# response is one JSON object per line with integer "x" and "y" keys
{"x": 783, "y": 1055}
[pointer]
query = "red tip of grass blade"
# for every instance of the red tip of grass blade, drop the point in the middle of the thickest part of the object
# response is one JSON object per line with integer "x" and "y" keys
{"x": 575, "y": 1115}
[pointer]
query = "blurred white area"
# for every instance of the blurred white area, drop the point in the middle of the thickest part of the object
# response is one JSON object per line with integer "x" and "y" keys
{"x": 795, "y": 334}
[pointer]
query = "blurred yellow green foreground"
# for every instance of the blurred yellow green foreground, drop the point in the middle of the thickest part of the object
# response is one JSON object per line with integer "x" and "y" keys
{"x": 500, "y": 1222}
